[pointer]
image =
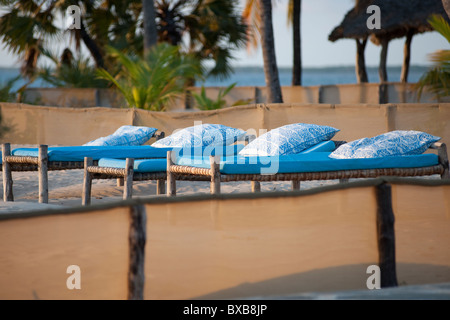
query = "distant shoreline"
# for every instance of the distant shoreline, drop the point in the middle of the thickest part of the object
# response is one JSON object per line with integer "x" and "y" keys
{"x": 315, "y": 68}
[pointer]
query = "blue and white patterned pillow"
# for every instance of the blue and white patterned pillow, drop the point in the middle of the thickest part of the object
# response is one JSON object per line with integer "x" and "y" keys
{"x": 201, "y": 136}
{"x": 288, "y": 139}
{"x": 394, "y": 143}
{"x": 125, "y": 136}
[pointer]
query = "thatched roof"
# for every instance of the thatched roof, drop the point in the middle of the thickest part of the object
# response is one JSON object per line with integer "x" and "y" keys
{"x": 397, "y": 18}
{"x": 446, "y": 4}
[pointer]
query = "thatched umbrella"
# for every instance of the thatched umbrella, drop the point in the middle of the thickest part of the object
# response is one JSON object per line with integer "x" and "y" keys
{"x": 354, "y": 26}
{"x": 399, "y": 18}
{"x": 446, "y": 4}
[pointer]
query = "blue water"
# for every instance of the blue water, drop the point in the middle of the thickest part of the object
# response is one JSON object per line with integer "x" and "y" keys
{"x": 314, "y": 76}
{"x": 254, "y": 76}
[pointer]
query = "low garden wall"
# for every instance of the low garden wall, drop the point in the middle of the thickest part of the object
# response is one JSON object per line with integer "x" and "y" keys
{"x": 335, "y": 94}
{"x": 29, "y": 124}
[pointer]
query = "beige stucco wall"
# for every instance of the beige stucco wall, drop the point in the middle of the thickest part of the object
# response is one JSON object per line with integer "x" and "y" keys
{"x": 228, "y": 248}
{"x": 30, "y": 124}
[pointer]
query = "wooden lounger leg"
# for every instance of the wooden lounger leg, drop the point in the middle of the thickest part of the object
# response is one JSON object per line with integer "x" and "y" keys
{"x": 215, "y": 176}
{"x": 295, "y": 184}
{"x": 171, "y": 182}
{"x": 43, "y": 173}
{"x": 87, "y": 183}
{"x": 128, "y": 179}
{"x": 7, "y": 174}
{"x": 120, "y": 182}
{"x": 160, "y": 186}
{"x": 256, "y": 186}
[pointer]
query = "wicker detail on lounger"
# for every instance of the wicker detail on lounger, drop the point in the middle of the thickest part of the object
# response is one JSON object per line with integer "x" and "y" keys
{"x": 332, "y": 175}
{"x": 190, "y": 170}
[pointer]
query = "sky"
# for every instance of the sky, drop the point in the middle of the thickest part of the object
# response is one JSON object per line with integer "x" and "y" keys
{"x": 319, "y": 18}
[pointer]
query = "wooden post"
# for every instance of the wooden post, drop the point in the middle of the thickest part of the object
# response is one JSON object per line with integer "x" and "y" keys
{"x": 137, "y": 240}
{"x": 443, "y": 159}
{"x": 120, "y": 182}
{"x": 87, "y": 182}
{"x": 43, "y": 173}
{"x": 171, "y": 182}
{"x": 256, "y": 186}
{"x": 382, "y": 71}
{"x": 361, "y": 72}
{"x": 159, "y": 135}
{"x": 160, "y": 186}
{"x": 295, "y": 184}
{"x": 7, "y": 174}
{"x": 383, "y": 93}
{"x": 406, "y": 56}
{"x": 386, "y": 236}
{"x": 215, "y": 174}
{"x": 128, "y": 179}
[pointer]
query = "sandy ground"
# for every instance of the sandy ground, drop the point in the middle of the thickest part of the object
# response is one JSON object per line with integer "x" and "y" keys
{"x": 65, "y": 188}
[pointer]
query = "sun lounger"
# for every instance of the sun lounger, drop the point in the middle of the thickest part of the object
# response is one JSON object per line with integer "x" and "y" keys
{"x": 132, "y": 169}
{"x": 302, "y": 167}
{"x": 155, "y": 169}
{"x": 44, "y": 159}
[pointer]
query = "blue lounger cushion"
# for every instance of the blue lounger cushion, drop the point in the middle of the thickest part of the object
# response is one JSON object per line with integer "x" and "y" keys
{"x": 77, "y": 153}
{"x": 158, "y": 165}
{"x": 309, "y": 162}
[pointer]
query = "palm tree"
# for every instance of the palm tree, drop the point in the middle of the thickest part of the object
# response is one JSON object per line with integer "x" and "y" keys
{"x": 437, "y": 79}
{"x": 269, "y": 57}
{"x": 23, "y": 29}
{"x": 155, "y": 80}
{"x": 213, "y": 28}
{"x": 252, "y": 16}
{"x": 294, "y": 17}
{"x": 150, "y": 32}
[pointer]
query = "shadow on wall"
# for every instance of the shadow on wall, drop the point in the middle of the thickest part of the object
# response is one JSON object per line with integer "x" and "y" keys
{"x": 334, "y": 279}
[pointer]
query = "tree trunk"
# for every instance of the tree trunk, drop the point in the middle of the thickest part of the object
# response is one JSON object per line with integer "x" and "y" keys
{"x": 268, "y": 49}
{"x": 406, "y": 56}
{"x": 382, "y": 71}
{"x": 150, "y": 32}
{"x": 297, "y": 65}
{"x": 92, "y": 46}
{"x": 361, "y": 72}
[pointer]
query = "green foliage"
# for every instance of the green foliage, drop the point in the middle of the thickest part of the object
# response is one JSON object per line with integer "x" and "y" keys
{"x": 210, "y": 30}
{"x": 74, "y": 73}
{"x": 154, "y": 81}
{"x": 205, "y": 103}
{"x": 437, "y": 79}
{"x": 6, "y": 93}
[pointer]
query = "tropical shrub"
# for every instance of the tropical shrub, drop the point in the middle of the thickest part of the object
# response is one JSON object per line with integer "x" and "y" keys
{"x": 156, "y": 80}
{"x": 205, "y": 103}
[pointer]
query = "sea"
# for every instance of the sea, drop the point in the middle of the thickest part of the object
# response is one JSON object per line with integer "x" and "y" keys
{"x": 254, "y": 76}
